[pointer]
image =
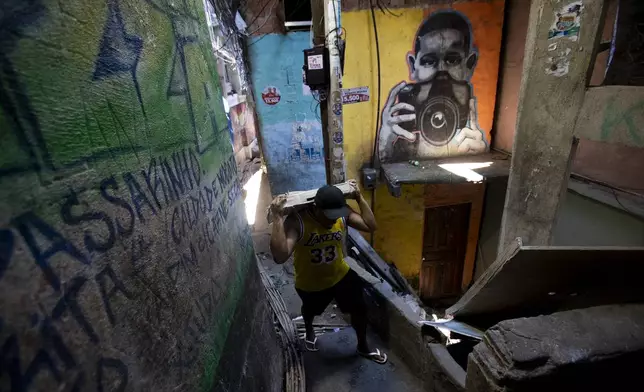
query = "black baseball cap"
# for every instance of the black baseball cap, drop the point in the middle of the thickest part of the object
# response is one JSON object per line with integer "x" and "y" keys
{"x": 331, "y": 201}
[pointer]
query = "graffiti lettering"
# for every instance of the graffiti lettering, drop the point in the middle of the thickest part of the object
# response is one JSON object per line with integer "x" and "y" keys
{"x": 153, "y": 188}
{"x": 106, "y": 295}
{"x": 199, "y": 212}
{"x": 28, "y": 223}
{"x": 104, "y": 230}
{"x": 6, "y": 249}
{"x": 117, "y": 201}
{"x": 137, "y": 195}
{"x": 69, "y": 303}
{"x": 630, "y": 117}
{"x": 91, "y": 243}
{"x": 116, "y": 366}
{"x": 83, "y": 259}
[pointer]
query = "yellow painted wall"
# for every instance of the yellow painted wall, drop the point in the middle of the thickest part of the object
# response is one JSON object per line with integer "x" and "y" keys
{"x": 400, "y": 220}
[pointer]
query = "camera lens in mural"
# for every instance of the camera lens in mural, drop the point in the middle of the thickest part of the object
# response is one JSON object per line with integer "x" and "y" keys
{"x": 441, "y": 108}
{"x": 438, "y": 121}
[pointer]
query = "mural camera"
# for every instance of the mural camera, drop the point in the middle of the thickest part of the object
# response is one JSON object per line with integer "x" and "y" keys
{"x": 441, "y": 106}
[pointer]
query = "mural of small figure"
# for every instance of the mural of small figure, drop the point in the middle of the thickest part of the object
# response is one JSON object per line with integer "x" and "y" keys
{"x": 436, "y": 114}
{"x": 304, "y": 147}
{"x": 297, "y": 139}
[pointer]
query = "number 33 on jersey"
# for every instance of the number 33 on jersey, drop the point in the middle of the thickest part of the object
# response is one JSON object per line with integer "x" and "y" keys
{"x": 328, "y": 255}
{"x": 318, "y": 255}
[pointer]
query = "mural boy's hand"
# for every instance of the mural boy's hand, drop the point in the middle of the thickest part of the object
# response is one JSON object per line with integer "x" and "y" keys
{"x": 389, "y": 129}
{"x": 471, "y": 139}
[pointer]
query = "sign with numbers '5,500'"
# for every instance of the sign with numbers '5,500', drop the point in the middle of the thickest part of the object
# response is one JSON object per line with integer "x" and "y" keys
{"x": 355, "y": 95}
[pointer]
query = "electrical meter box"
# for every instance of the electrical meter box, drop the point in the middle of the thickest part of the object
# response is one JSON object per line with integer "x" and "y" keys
{"x": 369, "y": 177}
{"x": 316, "y": 67}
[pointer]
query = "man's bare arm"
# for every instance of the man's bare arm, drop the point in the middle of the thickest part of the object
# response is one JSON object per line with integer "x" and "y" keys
{"x": 365, "y": 220}
{"x": 285, "y": 232}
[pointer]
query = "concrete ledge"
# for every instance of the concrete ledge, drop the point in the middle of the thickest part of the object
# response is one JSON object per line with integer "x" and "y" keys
{"x": 453, "y": 373}
{"x": 395, "y": 319}
{"x": 593, "y": 349}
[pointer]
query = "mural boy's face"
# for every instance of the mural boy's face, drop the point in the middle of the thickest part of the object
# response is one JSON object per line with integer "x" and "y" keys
{"x": 442, "y": 50}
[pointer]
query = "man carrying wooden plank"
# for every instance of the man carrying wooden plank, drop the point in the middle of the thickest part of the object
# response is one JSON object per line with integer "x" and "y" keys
{"x": 315, "y": 236}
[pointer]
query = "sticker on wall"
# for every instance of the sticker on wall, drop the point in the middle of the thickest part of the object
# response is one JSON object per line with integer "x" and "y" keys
{"x": 558, "y": 66}
{"x": 337, "y": 137}
{"x": 337, "y": 109}
{"x": 337, "y": 71}
{"x": 567, "y": 22}
{"x": 338, "y": 174}
{"x": 336, "y": 97}
{"x": 271, "y": 95}
{"x": 335, "y": 124}
{"x": 355, "y": 95}
{"x": 315, "y": 62}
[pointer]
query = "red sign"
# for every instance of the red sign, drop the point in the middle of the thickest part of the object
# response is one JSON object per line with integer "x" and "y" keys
{"x": 271, "y": 95}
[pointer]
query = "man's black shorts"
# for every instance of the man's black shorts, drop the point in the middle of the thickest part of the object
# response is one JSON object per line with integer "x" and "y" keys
{"x": 347, "y": 294}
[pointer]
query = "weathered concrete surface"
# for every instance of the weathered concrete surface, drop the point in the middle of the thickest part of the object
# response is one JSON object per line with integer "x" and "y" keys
{"x": 338, "y": 368}
{"x": 396, "y": 322}
{"x": 126, "y": 263}
{"x": 515, "y": 28}
{"x": 251, "y": 340}
{"x": 430, "y": 172}
{"x": 594, "y": 349}
{"x": 614, "y": 164}
{"x": 612, "y": 114}
{"x": 552, "y": 91}
{"x": 531, "y": 280}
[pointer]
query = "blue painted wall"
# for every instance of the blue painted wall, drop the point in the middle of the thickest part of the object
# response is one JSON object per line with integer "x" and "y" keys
{"x": 291, "y": 129}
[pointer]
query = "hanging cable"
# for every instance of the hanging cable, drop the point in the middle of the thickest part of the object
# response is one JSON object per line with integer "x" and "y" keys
{"x": 375, "y": 162}
{"x": 384, "y": 9}
{"x": 273, "y": 2}
{"x": 266, "y": 18}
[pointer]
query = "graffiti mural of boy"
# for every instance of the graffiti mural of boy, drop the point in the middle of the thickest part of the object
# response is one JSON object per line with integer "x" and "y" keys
{"x": 435, "y": 115}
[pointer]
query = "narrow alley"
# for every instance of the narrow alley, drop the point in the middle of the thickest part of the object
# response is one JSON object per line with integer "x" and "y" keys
{"x": 336, "y": 367}
{"x": 321, "y": 195}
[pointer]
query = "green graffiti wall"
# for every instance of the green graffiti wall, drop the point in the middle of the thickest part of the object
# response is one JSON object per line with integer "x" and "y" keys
{"x": 126, "y": 262}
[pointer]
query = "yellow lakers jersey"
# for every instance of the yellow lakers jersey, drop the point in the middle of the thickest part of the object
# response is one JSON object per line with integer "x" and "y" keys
{"x": 318, "y": 255}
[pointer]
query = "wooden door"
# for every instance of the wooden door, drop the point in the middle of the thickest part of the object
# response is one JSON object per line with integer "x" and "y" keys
{"x": 444, "y": 245}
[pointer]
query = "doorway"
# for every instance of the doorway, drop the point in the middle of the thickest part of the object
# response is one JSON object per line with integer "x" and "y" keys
{"x": 444, "y": 247}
